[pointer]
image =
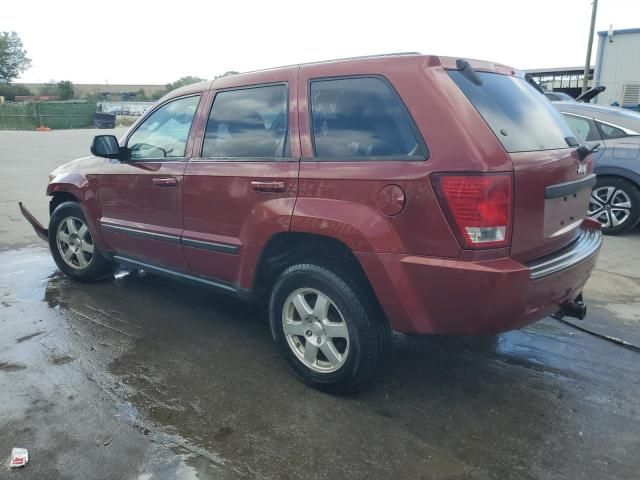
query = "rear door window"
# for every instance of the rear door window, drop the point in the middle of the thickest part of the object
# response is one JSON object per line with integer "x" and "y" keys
{"x": 584, "y": 128}
{"x": 361, "y": 117}
{"x": 248, "y": 123}
{"x": 520, "y": 116}
{"x": 610, "y": 132}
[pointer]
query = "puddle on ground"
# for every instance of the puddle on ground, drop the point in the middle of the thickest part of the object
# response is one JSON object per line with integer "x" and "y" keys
{"x": 190, "y": 382}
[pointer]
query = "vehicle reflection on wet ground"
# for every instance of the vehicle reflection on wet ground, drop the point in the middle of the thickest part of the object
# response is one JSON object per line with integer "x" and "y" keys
{"x": 143, "y": 377}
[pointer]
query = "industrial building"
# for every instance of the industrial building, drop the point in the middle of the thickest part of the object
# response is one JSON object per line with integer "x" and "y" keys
{"x": 105, "y": 92}
{"x": 562, "y": 79}
{"x": 617, "y": 68}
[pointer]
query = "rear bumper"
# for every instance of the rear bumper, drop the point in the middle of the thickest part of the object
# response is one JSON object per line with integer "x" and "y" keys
{"x": 451, "y": 296}
{"x": 42, "y": 232}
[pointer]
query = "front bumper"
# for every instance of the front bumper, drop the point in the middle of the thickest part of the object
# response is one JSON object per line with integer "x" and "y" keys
{"x": 450, "y": 296}
{"x": 42, "y": 232}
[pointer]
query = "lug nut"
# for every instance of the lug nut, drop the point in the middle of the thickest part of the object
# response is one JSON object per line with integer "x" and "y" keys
{"x": 308, "y": 333}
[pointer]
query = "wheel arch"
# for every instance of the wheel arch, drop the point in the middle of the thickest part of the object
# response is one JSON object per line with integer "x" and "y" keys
{"x": 60, "y": 197}
{"x": 288, "y": 248}
{"x": 76, "y": 187}
{"x": 619, "y": 172}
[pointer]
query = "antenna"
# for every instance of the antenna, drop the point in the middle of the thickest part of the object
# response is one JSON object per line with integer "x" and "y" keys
{"x": 610, "y": 33}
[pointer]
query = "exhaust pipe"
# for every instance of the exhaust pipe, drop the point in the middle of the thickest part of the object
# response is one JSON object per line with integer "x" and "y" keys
{"x": 575, "y": 309}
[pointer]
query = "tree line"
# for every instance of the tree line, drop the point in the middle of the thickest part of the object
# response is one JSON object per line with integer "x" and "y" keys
{"x": 14, "y": 61}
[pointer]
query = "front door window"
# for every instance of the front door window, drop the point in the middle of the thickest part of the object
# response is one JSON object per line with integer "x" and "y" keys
{"x": 164, "y": 134}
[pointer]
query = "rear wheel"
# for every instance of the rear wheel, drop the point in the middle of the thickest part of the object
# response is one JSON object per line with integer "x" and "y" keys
{"x": 72, "y": 245}
{"x": 327, "y": 327}
{"x": 615, "y": 203}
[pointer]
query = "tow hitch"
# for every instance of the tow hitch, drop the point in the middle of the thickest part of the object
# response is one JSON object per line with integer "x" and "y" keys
{"x": 575, "y": 309}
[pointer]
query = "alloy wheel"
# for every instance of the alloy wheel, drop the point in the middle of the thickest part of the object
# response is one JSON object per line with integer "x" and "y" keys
{"x": 75, "y": 243}
{"x": 315, "y": 330}
{"x": 611, "y": 206}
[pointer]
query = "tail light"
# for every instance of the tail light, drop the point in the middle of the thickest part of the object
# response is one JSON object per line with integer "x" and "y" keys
{"x": 478, "y": 206}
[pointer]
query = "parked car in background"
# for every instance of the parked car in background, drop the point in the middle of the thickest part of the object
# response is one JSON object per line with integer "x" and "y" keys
{"x": 559, "y": 97}
{"x": 352, "y": 197}
{"x": 615, "y": 199}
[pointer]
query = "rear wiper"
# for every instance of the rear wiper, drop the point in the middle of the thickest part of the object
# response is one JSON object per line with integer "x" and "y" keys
{"x": 584, "y": 151}
{"x": 467, "y": 70}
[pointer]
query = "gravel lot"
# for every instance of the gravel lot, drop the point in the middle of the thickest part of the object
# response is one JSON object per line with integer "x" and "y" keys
{"x": 142, "y": 377}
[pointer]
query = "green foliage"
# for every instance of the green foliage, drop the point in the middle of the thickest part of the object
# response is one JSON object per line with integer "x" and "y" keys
{"x": 9, "y": 91}
{"x": 49, "y": 89}
{"x": 141, "y": 96}
{"x": 63, "y": 89}
{"x": 227, "y": 73}
{"x": 181, "y": 82}
{"x": 13, "y": 57}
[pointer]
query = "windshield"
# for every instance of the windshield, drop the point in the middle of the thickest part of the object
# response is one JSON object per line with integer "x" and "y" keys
{"x": 521, "y": 117}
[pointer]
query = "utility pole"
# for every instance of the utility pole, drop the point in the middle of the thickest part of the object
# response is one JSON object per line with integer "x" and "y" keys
{"x": 587, "y": 65}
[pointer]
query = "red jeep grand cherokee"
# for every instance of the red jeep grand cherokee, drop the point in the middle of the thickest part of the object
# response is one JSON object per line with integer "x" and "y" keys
{"x": 416, "y": 193}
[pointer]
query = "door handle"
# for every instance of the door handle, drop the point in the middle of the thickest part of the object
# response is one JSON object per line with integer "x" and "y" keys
{"x": 165, "y": 182}
{"x": 274, "y": 186}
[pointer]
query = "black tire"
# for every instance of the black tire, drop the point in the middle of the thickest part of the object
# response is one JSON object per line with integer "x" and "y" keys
{"x": 369, "y": 333}
{"x": 95, "y": 265}
{"x": 600, "y": 206}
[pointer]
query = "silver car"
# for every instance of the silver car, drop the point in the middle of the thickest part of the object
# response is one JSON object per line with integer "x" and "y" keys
{"x": 615, "y": 199}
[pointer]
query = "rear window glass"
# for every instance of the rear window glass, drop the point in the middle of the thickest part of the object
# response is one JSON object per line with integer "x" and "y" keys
{"x": 361, "y": 117}
{"x": 248, "y": 123}
{"x": 520, "y": 116}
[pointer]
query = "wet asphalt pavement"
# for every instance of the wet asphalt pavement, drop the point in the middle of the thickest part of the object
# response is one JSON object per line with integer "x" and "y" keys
{"x": 142, "y": 377}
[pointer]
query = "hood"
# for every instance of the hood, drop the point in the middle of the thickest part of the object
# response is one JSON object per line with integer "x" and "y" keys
{"x": 79, "y": 165}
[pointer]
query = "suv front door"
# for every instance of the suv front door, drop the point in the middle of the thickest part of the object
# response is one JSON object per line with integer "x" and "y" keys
{"x": 141, "y": 196}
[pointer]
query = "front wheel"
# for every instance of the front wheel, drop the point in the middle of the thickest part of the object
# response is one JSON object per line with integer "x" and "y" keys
{"x": 615, "y": 203}
{"x": 327, "y": 326}
{"x": 72, "y": 245}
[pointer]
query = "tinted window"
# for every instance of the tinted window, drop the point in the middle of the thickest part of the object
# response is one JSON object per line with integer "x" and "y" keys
{"x": 584, "y": 128}
{"x": 250, "y": 122}
{"x": 521, "y": 118}
{"x": 610, "y": 132}
{"x": 361, "y": 117}
{"x": 165, "y": 132}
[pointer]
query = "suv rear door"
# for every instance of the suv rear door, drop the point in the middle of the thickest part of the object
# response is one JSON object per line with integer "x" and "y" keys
{"x": 363, "y": 172}
{"x": 242, "y": 187}
{"x": 551, "y": 187}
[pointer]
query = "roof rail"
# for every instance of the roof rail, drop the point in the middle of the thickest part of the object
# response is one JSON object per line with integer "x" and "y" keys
{"x": 344, "y": 59}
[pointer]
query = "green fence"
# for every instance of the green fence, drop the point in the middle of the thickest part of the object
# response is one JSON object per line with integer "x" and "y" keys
{"x": 55, "y": 115}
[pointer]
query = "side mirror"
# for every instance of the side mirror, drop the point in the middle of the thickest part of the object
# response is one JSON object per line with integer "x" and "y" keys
{"x": 105, "y": 146}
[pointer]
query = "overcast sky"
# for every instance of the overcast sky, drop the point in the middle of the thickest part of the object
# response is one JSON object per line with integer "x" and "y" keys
{"x": 142, "y": 42}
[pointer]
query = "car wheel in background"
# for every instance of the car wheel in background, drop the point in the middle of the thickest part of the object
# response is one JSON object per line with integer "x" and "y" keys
{"x": 615, "y": 203}
{"x": 72, "y": 245}
{"x": 327, "y": 327}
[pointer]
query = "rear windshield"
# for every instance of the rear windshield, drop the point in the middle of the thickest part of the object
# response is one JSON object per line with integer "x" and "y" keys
{"x": 520, "y": 116}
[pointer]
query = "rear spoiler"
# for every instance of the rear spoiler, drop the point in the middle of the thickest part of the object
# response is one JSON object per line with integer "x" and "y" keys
{"x": 591, "y": 94}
